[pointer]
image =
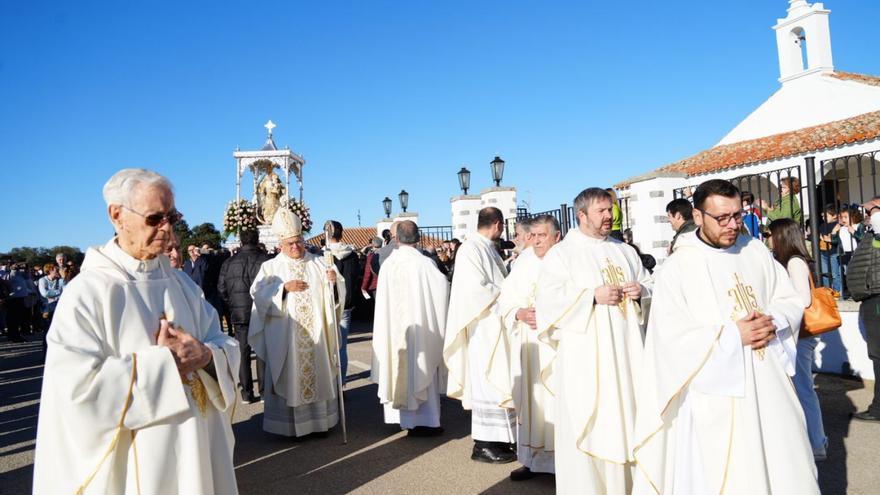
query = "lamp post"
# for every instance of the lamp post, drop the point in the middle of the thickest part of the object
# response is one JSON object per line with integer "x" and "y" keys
{"x": 386, "y": 204}
{"x": 404, "y": 199}
{"x": 497, "y": 170}
{"x": 464, "y": 179}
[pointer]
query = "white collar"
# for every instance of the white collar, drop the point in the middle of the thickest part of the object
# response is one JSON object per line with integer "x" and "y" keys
{"x": 128, "y": 262}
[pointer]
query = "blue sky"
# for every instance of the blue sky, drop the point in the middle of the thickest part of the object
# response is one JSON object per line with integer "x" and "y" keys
{"x": 377, "y": 95}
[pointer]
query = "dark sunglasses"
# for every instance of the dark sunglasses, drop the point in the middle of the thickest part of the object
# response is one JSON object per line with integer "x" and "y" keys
{"x": 157, "y": 219}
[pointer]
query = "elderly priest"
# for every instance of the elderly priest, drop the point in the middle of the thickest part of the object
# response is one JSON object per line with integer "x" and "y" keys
{"x": 408, "y": 336}
{"x": 293, "y": 331}
{"x": 140, "y": 383}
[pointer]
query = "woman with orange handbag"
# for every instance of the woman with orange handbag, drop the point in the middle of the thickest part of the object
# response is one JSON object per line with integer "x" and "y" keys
{"x": 787, "y": 242}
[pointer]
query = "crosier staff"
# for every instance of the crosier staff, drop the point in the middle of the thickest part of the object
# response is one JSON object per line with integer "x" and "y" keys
{"x": 328, "y": 260}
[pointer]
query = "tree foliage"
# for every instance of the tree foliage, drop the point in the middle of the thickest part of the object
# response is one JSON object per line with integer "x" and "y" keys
{"x": 42, "y": 255}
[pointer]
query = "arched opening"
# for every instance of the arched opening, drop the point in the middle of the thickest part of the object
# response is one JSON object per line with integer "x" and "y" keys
{"x": 799, "y": 37}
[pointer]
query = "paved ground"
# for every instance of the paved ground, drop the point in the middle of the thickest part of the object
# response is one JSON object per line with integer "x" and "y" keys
{"x": 379, "y": 458}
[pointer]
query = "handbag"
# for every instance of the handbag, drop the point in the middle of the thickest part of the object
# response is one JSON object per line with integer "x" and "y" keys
{"x": 822, "y": 315}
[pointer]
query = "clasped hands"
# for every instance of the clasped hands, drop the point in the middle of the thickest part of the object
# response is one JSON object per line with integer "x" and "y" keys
{"x": 189, "y": 354}
{"x": 612, "y": 295}
{"x": 756, "y": 330}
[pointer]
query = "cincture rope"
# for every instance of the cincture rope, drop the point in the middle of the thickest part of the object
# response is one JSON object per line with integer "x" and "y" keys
{"x": 115, "y": 441}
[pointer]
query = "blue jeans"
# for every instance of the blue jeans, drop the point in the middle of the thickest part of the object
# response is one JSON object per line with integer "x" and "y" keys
{"x": 344, "y": 324}
{"x": 806, "y": 393}
{"x": 831, "y": 265}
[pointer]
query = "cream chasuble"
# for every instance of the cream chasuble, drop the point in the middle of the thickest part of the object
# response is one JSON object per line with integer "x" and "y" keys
{"x": 293, "y": 334}
{"x": 529, "y": 357}
{"x": 473, "y": 329}
{"x": 714, "y": 416}
{"x": 103, "y": 364}
{"x": 599, "y": 351}
{"x": 408, "y": 327}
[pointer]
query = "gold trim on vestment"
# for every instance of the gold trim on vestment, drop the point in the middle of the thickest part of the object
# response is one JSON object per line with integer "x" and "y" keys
{"x": 198, "y": 391}
{"x": 113, "y": 443}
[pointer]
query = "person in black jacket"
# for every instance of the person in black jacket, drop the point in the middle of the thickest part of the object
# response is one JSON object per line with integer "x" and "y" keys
{"x": 234, "y": 284}
{"x": 863, "y": 280}
{"x": 346, "y": 260}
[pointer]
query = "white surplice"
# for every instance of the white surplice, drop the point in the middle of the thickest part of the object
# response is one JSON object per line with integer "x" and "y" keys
{"x": 410, "y": 318}
{"x": 529, "y": 358}
{"x": 102, "y": 355}
{"x": 293, "y": 333}
{"x": 716, "y": 416}
{"x": 473, "y": 329}
{"x": 599, "y": 351}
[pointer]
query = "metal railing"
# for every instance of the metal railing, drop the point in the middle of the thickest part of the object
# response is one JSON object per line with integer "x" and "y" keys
{"x": 434, "y": 236}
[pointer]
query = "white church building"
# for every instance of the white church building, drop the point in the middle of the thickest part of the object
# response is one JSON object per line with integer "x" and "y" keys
{"x": 821, "y": 126}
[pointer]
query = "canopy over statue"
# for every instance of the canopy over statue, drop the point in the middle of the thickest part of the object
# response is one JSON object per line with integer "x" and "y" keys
{"x": 271, "y": 189}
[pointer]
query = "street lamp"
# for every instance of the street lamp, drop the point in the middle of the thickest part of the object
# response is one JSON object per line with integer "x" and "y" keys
{"x": 464, "y": 179}
{"x": 497, "y": 170}
{"x": 404, "y": 199}
{"x": 386, "y": 204}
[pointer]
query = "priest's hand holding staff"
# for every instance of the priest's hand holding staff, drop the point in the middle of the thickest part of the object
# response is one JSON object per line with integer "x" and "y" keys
{"x": 189, "y": 354}
{"x": 756, "y": 330}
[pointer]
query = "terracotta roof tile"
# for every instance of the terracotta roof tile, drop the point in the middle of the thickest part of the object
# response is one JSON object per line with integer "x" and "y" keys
{"x": 861, "y": 78}
{"x": 358, "y": 237}
{"x": 824, "y": 136}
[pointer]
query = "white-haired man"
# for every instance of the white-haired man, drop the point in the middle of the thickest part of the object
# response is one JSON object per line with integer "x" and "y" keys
{"x": 292, "y": 330}
{"x": 139, "y": 380}
{"x": 587, "y": 306}
{"x": 530, "y": 358}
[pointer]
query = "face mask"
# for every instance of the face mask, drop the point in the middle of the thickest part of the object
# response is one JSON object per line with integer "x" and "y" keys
{"x": 875, "y": 222}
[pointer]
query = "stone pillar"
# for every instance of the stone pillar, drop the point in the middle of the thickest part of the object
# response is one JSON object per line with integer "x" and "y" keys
{"x": 464, "y": 215}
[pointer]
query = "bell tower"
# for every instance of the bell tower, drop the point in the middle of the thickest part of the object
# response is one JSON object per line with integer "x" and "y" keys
{"x": 803, "y": 39}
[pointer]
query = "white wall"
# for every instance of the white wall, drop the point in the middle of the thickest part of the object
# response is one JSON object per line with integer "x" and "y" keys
{"x": 465, "y": 209}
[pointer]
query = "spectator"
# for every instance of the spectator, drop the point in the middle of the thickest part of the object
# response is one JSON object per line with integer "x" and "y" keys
{"x": 616, "y": 215}
{"x": 195, "y": 268}
{"x": 828, "y": 255}
{"x": 172, "y": 251}
{"x": 680, "y": 213}
{"x": 345, "y": 259}
{"x": 787, "y": 242}
{"x": 751, "y": 215}
{"x": 863, "y": 279}
{"x": 234, "y": 284}
{"x": 787, "y": 206}
{"x": 213, "y": 261}
{"x": 16, "y": 315}
{"x": 371, "y": 278}
{"x": 848, "y": 236}
{"x": 60, "y": 260}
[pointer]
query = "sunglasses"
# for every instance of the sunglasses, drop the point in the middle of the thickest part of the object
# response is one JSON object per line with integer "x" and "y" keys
{"x": 157, "y": 219}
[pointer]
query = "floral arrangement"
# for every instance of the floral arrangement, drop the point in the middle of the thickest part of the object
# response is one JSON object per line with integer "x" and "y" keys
{"x": 240, "y": 215}
{"x": 302, "y": 211}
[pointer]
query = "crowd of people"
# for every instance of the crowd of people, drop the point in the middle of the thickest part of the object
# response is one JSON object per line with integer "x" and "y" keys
{"x": 29, "y": 294}
{"x": 573, "y": 358}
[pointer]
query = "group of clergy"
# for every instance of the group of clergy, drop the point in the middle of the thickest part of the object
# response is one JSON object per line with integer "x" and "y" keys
{"x": 561, "y": 362}
{"x": 576, "y": 361}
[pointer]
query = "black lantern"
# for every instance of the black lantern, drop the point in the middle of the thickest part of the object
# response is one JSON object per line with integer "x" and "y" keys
{"x": 464, "y": 179}
{"x": 386, "y": 203}
{"x": 404, "y": 199}
{"x": 497, "y": 170}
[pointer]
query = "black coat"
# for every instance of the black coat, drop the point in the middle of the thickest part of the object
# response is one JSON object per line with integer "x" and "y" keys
{"x": 234, "y": 282}
{"x": 350, "y": 270}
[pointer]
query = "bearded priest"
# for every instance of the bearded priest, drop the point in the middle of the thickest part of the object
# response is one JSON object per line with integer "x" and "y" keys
{"x": 140, "y": 384}
{"x": 588, "y": 307}
{"x": 473, "y": 329}
{"x": 292, "y": 330}
{"x": 717, "y": 410}
{"x": 408, "y": 328}
{"x": 530, "y": 358}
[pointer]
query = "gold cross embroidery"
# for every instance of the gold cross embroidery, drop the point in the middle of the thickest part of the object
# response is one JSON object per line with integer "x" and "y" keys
{"x": 745, "y": 302}
{"x": 613, "y": 275}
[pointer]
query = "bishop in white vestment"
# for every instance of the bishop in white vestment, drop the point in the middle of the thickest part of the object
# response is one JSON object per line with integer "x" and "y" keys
{"x": 587, "y": 306}
{"x": 530, "y": 358}
{"x": 410, "y": 319}
{"x": 473, "y": 328}
{"x": 140, "y": 383}
{"x": 718, "y": 412}
{"x": 292, "y": 330}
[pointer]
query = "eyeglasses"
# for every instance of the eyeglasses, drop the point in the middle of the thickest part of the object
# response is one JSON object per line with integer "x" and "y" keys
{"x": 157, "y": 219}
{"x": 724, "y": 220}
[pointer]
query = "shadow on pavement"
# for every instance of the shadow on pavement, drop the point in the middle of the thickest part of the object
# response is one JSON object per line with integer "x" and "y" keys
{"x": 21, "y": 378}
{"x": 324, "y": 465}
{"x": 836, "y": 410}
